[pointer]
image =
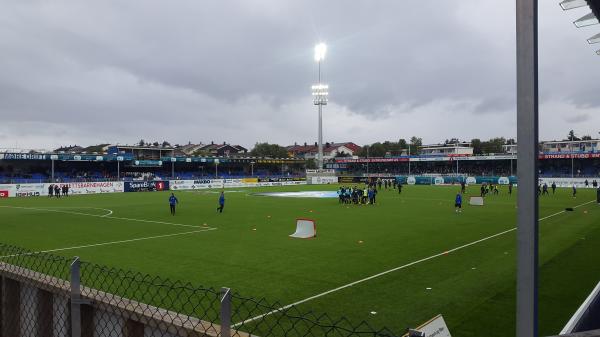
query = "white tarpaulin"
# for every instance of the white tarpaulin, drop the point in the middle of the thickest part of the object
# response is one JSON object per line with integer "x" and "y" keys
{"x": 305, "y": 229}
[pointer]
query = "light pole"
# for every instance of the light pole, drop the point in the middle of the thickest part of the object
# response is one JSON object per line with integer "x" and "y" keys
{"x": 456, "y": 153}
{"x": 368, "y": 147}
{"x": 409, "y": 159}
{"x": 252, "y": 168}
{"x": 320, "y": 93}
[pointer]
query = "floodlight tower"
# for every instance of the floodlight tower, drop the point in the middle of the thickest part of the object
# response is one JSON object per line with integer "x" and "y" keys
{"x": 320, "y": 92}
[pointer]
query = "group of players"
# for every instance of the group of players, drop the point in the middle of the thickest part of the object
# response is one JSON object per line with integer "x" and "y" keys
{"x": 368, "y": 194}
{"x": 57, "y": 191}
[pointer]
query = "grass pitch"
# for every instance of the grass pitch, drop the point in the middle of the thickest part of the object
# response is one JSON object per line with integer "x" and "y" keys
{"x": 396, "y": 249}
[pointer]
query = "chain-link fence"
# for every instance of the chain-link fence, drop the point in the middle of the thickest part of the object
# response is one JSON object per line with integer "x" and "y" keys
{"x": 52, "y": 296}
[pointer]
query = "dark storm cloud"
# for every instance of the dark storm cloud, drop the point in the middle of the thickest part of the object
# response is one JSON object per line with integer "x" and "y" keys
{"x": 241, "y": 70}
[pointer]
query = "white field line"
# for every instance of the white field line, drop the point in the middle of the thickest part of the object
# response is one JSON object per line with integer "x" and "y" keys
{"x": 106, "y": 216}
{"x": 110, "y": 243}
{"x": 393, "y": 270}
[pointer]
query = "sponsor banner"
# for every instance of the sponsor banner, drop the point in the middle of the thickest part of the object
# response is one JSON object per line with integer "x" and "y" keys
{"x": 435, "y": 327}
{"x": 195, "y": 184}
{"x": 352, "y": 180}
{"x": 309, "y": 171}
{"x": 146, "y": 186}
{"x": 90, "y": 187}
{"x": 569, "y": 156}
{"x": 34, "y": 190}
{"x": 319, "y": 180}
{"x": 23, "y": 156}
{"x": 372, "y": 160}
{"x": 567, "y": 182}
{"x": 227, "y": 183}
{"x": 23, "y": 190}
{"x": 451, "y": 180}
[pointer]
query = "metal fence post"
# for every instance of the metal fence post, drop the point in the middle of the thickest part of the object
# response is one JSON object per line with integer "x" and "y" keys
{"x": 225, "y": 312}
{"x": 75, "y": 298}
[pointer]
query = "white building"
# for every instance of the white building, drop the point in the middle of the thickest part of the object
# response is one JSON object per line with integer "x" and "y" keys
{"x": 571, "y": 146}
{"x": 457, "y": 149}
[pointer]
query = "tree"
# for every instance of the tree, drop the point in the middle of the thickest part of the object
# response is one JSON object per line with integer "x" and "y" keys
{"x": 342, "y": 154}
{"x": 166, "y": 144}
{"x": 493, "y": 145}
{"x": 572, "y": 136}
{"x": 415, "y": 142}
{"x": 586, "y": 137}
{"x": 269, "y": 150}
{"x": 155, "y": 144}
{"x": 476, "y": 144}
{"x": 402, "y": 144}
{"x": 141, "y": 142}
{"x": 377, "y": 150}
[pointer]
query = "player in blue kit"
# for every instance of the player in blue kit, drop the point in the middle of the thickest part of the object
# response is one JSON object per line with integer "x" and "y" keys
{"x": 458, "y": 203}
{"x": 221, "y": 202}
{"x": 172, "y": 202}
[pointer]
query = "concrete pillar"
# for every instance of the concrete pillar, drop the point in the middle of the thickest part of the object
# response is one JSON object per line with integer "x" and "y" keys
{"x": 134, "y": 329}
{"x": 87, "y": 321}
{"x": 45, "y": 319}
{"x": 11, "y": 308}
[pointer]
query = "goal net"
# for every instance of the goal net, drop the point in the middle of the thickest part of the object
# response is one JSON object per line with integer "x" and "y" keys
{"x": 305, "y": 229}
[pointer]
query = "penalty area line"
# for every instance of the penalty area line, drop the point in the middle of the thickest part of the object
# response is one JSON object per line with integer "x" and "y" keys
{"x": 110, "y": 243}
{"x": 105, "y": 216}
{"x": 393, "y": 270}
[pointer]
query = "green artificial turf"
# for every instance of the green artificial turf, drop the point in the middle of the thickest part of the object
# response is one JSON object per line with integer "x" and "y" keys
{"x": 250, "y": 250}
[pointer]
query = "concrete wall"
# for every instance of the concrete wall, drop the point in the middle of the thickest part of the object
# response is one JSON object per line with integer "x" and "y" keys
{"x": 34, "y": 304}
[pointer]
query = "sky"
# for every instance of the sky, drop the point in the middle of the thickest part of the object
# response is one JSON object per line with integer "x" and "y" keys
{"x": 117, "y": 71}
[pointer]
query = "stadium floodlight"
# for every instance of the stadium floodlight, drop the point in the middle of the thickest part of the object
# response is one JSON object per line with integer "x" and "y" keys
{"x": 594, "y": 39}
{"x": 320, "y": 50}
{"x": 586, "y": 20}
{"x": 320, "y": 92}
{"x": 570, "y": 4}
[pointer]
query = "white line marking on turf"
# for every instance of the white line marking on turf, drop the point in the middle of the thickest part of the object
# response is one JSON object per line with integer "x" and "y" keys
{"x": 393, "y": 270}
{"x": 107, "y": 216}
{"x": 110, "y": 243}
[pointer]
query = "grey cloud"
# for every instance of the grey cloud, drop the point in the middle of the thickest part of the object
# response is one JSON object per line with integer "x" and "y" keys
{"x": 580, "y": 118}
{"x": 206, "y": 70}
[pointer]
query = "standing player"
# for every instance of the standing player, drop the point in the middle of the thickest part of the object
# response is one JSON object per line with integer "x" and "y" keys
{"x": 221, "y": 202}
{"x": 553, "y": 187}
{"x": 50, "y": 191}
{"x": 458, "y": 203}
{"x": 510, "y": 186}
{"x": 399, "y": 188}
{"x": 172, "y": 202}
{"x": 545, "y": 189}
{"x": 574, "y": 191}
{"x": 463, "y": 187}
